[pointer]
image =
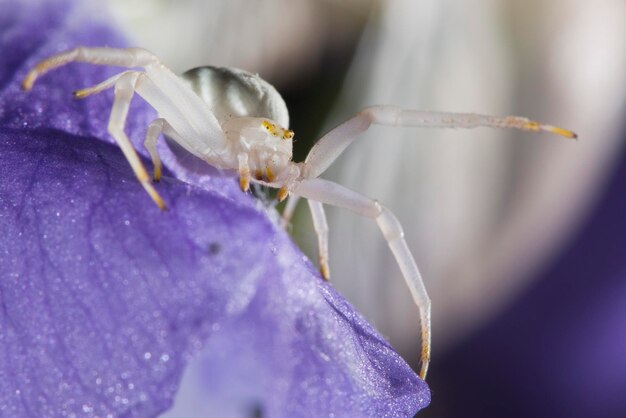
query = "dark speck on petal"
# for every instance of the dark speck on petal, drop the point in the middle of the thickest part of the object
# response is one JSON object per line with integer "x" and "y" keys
{"x": 214, "y": 248}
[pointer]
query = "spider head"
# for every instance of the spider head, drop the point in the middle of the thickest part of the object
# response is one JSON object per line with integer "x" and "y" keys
{"x": 268, "y": 145}
{"x": 273, "y": 153}
{"x": 277, "y": 131}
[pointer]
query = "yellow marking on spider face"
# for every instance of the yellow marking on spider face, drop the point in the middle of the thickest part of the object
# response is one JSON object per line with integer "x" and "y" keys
{"x": 277, "y": 131}
{"x": 270, "y": 127}
{"x": 282, "y": 194}
{"x": 287, "y": 134}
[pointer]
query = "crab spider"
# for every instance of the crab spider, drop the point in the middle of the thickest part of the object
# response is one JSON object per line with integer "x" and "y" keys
{"x": 234, "y": 120}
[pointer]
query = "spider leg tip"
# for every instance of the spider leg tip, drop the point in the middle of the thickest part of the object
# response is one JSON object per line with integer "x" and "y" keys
{"x": 564, "y": 132}
{"x": 283, "y": 193}
{"x": 559, "y": 131}
{"x": 244, "y": 183}
{"x": 325, "y": 273}
{"x": 27, "y": 83}
{"x": 162, "y": 206}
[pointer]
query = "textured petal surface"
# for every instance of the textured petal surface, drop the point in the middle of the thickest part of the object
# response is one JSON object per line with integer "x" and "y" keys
{"x": 104, "y": 299}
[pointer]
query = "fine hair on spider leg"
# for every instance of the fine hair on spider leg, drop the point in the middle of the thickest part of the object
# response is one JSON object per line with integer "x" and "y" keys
{"x": 234, "y": 120}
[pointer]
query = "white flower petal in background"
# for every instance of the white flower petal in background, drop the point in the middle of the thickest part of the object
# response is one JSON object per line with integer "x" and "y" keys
{"x": 483, "y": 209}
{"x": 280, "y": 39}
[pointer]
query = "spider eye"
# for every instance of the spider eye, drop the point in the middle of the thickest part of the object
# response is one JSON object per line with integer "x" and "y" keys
{"x": 288, "y": 134}
{"x": 270, "y": 127}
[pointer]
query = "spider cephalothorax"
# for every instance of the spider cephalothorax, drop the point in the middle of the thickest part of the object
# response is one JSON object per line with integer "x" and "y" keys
{"x": 263, "y": 150}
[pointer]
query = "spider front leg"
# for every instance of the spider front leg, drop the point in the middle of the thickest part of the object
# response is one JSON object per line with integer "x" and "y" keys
{"x": 120, "y": 57}
{"x": 124, "y": 90}
{"x": 154, "y": 129}
{"x": 334, "y": 194}
{"x": 331, "y": 145}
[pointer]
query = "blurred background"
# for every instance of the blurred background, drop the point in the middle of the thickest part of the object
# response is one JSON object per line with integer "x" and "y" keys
{"x": 521, "y": 237}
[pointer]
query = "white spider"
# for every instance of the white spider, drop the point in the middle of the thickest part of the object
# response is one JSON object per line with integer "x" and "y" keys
{"x": 234, "y": 120}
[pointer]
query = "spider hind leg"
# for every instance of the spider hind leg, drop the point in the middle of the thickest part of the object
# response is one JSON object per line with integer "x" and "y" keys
{"x": 325, "y": 191}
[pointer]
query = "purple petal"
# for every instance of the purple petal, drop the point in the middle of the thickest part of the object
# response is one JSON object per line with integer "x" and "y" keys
{"x": 104, "y": 299}
{"x": 558, "y": 351}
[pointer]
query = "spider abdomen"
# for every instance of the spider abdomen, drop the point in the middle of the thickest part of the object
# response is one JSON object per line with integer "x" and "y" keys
{"x": 231, "y": 92}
